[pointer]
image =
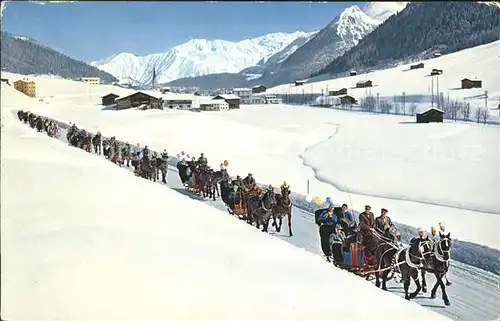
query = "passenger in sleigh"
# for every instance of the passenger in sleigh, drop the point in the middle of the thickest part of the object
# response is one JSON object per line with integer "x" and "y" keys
{"x": 234, "y": 198}
{"x": 338, "y": 244}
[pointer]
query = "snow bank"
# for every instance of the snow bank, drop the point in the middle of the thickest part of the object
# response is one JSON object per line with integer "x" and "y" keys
{"x": 85, "y": 240}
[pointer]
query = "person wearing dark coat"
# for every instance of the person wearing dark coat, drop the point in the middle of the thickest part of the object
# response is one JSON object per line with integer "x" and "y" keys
{"x": 366, "y": 225}
{"x": 327, "y": 222}
{"x": 182, "y": 166}
{"x": 383, "y": 222}
{"x": 234, "y": 198}
{"x": 249, "y": 182}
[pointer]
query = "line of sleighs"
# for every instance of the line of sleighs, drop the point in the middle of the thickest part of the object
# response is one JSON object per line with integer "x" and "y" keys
{"x": 371, "y": 249}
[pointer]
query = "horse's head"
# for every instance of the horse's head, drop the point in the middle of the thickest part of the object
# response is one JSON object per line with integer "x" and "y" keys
{"x": 269, "y": 198}
{"x": 285, "y": 191}
{"x": 443, "y": 246}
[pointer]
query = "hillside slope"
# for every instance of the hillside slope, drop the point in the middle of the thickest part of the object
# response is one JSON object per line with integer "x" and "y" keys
{"x": 422, "y": 28}
{"x": 26, "y": 56}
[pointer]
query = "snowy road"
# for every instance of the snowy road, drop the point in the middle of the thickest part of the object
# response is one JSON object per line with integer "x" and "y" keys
{"x": 474, "y": 294}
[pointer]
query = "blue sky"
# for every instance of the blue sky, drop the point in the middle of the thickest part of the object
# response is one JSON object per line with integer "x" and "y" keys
{"x": 95, "y": 30}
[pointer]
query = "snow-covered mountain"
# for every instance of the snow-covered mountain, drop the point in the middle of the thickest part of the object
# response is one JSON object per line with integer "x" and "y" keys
{"x": 312, "y": 54}
{"x": 197, "y": 57}
{"x": 382, "y": 10}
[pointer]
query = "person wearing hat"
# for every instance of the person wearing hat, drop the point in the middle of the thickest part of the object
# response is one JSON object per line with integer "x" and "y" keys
{"x": 346, "y": 220}
{"x": 366, "y": 225}
{"x": 202, "y": 160}
{"x": 327, "y": 222}
{"x": 383, "y": 222}
{"x": 249, "y": 182}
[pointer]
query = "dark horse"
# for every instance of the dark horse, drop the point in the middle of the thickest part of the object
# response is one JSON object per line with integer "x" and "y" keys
{"x": 283, "y": 207}
{"x": 437, "y": 263}
{"x": 261, "y": 209}
{"x": 408, "y": 261}
{"x": 385, "y": 252}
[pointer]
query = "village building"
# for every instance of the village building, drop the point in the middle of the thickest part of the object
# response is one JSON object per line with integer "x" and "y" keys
{"x": 214, "y": 105}
{"x": 364, "y": 84}
{"x": 138, "y": 99}
{"x": 468, "y": 84}
{"x": 109, "y": 99}
{"x": 257, "y": 99}
{"x": 431, "y": 115}
{"x": 231, "y": 99}
{"x": 91, "y": 80}
{"x": 299, "y": 83}
{"x": 26, "y": 87}
{"x": 243, "y": 93}
{"x": 5, "y": 80}
{"x": 347, "y": 100}
{"x": 436, "y": 72}
{"x": 165, "y": 90}
{"x": 339, "y": 92}
{"x": 353, "y": 73}
{"x": 259, "y": 89}
{"x": 417, "y": 66}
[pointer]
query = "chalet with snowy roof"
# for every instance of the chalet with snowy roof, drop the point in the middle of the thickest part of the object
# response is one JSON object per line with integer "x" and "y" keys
{"x": 139, "y": 98}
{"x": 364, "y": 84}
{"x": 431, "y": 115}
{"x": 417, "y": 66}
{"x": 353, "y": 73}
{"x": 436, "y": 72}
{"x": 339, "y": 92}
{"x": 231, "y": 99}
{"x": 468, "y": 84}
{"x": 109, "y": 99}
{"x": 346, "y": 100}
{"x": 299, "y": 83}
{"x": 259, "y": 89}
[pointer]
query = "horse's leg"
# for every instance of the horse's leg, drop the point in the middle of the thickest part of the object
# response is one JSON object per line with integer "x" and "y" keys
{"x": 213, "y": 191}
{"x": 443, "y": 292}
{"x": 434, "y": 288}
{"x": 417, "y": 283}
{"x": 289, "y": 217}
{"x": 424, "y": 282}
{"x": 406, "y": 285}
{"x": 377, "y": 279}
{"x": 385, "y": 275}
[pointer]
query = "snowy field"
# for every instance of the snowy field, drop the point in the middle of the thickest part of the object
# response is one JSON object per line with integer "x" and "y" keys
{"x": 78, "y": 245}
{"x": 422, "y": 173}
{"x": 479, "y": 63}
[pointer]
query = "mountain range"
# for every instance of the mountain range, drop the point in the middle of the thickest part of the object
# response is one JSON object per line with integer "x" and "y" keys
{"x": 197, "y": 57}
{"x": 296, "y": 54}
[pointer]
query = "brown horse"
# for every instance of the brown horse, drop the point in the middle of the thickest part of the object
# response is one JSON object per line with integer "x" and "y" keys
{"x": 283, "y": 207}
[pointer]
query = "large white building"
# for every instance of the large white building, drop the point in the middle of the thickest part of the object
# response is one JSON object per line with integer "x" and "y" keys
{"x": 180, "y": 101}
{"x": 244, "y": 94}
{"x": 214, "y": 105}
{"x": 260, "y": 99}
{"x": 91, "y": 80}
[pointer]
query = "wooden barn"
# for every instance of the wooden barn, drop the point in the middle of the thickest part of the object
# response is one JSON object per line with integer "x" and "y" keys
{"x": 468, "y": 84}
{"x": 5, "y": 80}
{"x": 364, "y": 84}
{"x": 431, "y": 115}
{"x": 339, "y": 92}
{"x": 353, "y": 73}
{"x": 347, "y": 100}
{"x": 109, "y": 99}
{"x": 436, "y": 72}
{"x": 299, "y": 83}
{"x": 137, "y": 99}
{"x": 259, "y": 89}
{"x": 26, "y": 87}
{"x": 417, "y": 66}
{"x": 233, "y": 100}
